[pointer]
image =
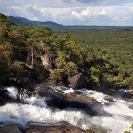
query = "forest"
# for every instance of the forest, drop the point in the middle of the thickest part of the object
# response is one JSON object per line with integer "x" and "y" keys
{"x": 113, "y": 44}
{"x": 104, "y": 56}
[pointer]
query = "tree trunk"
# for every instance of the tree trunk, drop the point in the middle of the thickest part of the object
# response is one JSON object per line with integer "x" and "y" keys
{"x": 32, "y": 57}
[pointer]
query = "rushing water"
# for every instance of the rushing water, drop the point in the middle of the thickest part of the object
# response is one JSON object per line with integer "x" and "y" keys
{"x": 36, "y": 110}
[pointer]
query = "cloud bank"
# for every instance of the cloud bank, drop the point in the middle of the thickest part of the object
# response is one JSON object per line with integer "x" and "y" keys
{"x": 72, "y": 12}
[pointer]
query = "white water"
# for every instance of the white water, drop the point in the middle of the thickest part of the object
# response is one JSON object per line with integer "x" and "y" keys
{"x": 37, "y": 110}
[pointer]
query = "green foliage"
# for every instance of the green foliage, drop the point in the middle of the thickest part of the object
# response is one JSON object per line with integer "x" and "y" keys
{"x": 127, "y": 132}
{"x": 3, "y": 75}
{"x": 3, "y": 19}
{"x": 56, "y": 76}
{"x": 70, "y": 69}
{"x": 42, "y": 74}
{"x": 130, "y": 131}
{"x": 131, "y": 127}
{"x": 94, "y": 129}
{"x": 100, "y": 55}
{"x": 19, "y": 78}
{"x": 111, "y": 44}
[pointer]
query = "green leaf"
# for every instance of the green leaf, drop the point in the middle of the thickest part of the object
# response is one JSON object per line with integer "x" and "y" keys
{"x": 127, "y": 132}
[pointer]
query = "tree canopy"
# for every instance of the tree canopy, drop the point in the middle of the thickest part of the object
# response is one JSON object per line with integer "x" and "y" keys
{"x": 22, "y": 47}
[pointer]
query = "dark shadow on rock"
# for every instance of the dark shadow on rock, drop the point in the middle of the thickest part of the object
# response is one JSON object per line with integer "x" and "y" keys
{"x": 128, "y": 97}
{"x": 4, "y": 98}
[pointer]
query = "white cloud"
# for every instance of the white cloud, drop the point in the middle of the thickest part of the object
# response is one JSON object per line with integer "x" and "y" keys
{"x": 115, "y": 18}
{"x": 103, "y": 12}
{"x": 69, "y": 12}
{"x": 84, "y": 14}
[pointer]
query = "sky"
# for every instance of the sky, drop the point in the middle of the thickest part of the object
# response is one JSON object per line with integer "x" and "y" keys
{"x": 72, "y": 12}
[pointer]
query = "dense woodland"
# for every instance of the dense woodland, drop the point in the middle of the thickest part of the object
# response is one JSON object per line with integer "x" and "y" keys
{"x": 102, "y": 55}
{"x": 114, "y": 44}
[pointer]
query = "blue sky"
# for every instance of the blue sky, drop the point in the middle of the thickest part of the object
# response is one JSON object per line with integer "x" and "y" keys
{"x": 72, "y": 12}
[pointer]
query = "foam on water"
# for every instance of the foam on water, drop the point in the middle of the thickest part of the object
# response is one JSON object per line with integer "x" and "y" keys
{"x": 38, "y": 111}
{"x": 12, "y": 92}
{"x": 22, "y": 113}
{"x": 112, "y": 124}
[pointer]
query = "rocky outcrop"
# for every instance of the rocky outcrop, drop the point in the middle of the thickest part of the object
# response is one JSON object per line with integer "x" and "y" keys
{"x": 48, "y": 60}
{"x": 34, "y": 127}
{"x": 60, "y": 127}
{"x": 10, "y": 129}
{"x": 76, "y": 80}
{"x": 57, "y": 99}
{"x": 67, "y": 100}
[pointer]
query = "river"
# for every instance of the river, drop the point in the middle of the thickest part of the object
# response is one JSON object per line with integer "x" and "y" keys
{"x": 36, "y": 109}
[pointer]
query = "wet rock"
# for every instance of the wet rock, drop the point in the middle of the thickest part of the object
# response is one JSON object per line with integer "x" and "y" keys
{"x": 107, "y": 104}
{"x": 4, "y": 98}
{"x": 61, "y": 101}
{"x": 128, "y": 97}
{"x": 131, "y": 106}
{"x": 109, "y": 99}
{"x": 60, "y": 127}
{"x": 43, "y": 90}
{"x": 10, "y": 129}
{"x": 78, "y": 92}
{"x": 80, "y": 98}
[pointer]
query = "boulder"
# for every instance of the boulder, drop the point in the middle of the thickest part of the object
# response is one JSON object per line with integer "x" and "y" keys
{"x": 76, "y": 81}
{"x": 80, "y": 97}
{"x": 55, "y": 99}
{"x": 60, "y": 127}
{"x": 61, "y": 101}
{"x": 131, "y": 106}
{"x": 10, "y": 129}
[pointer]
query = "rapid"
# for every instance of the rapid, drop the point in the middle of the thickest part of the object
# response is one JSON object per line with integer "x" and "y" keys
{"x": 36, "y": 109}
